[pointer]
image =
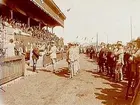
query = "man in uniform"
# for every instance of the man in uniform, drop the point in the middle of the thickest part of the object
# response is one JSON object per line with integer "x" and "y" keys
{"x": 53, "y": 52}
{"x": 71, "y": 59}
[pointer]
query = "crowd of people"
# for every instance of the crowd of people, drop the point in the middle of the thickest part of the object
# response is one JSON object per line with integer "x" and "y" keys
{"x": 34, "y": 31}
{"x": 119, "y": 62}
{"x": 116, "y": 61}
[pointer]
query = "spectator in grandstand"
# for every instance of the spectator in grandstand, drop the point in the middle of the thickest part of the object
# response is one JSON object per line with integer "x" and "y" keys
{"x": 23, "y": 47}
{"x": 17, "y": 45}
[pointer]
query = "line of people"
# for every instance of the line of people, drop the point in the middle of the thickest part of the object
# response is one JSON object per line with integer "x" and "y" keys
{"x": 111, "y": 61}
{"x": 120, "y": 62}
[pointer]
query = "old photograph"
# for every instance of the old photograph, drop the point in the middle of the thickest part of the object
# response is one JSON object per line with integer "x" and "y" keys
{"x": 69, "y": 52}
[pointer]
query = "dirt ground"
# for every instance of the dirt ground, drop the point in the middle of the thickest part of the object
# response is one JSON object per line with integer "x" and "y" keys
{"x": 47, "y": 88}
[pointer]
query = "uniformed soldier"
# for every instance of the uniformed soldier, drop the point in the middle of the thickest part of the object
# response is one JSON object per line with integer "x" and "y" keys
{"x": 53, "y": 52}
{"x": 71, "y": 59}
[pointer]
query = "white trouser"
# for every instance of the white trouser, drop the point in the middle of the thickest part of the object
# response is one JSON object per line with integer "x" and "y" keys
{"x": 54, "y": 63}
{"x": 71, "y": 66}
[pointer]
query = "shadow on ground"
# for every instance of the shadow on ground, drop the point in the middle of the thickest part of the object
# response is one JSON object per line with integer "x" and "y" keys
{"x": 44, "y": 70}
{"x": 63, "y": 72}
{"x": 114, "y": 95}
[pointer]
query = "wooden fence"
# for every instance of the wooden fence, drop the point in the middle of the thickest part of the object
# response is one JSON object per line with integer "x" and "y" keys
{"x": 11, "y": 68}
{"x": 14, "y": 67}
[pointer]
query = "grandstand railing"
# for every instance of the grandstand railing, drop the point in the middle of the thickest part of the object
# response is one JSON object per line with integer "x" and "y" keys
{"x": 11, "y": 68}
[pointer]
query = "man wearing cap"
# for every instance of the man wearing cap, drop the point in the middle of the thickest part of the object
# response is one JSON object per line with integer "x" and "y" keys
{"x": 53, "y": 52}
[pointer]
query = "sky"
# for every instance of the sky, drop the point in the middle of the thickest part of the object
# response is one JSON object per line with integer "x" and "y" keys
{"x": 111, "y": 19}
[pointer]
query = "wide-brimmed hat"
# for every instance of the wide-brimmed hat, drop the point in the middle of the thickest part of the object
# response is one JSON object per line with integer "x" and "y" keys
{"x": 119, "y": 42}
{"x": 102, "y": 44}
{"x": 137, "y": 40}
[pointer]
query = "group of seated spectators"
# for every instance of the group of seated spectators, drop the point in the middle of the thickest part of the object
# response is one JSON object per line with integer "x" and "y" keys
{"x": 33, "y": 31}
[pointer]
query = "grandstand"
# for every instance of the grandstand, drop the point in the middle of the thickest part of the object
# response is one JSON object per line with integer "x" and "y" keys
{"x": 25, "y": 20}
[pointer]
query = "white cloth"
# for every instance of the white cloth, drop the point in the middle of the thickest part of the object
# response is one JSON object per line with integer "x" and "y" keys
{"x": 71, "y": 59}
{"x": 76, "y": 63}
{"x": 71, "y": 54}
{"x": 40, "y": 60}
{"x": 53, "y": 51}
{"x": 10, "y": 49}
{"x": 120, "y": 53}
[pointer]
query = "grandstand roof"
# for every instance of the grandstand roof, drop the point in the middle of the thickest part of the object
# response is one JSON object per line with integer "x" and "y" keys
{"x": 45, "y": 11}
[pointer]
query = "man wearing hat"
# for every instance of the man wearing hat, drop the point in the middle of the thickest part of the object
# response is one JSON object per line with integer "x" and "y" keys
{"x": 119, "y": 62}
{"x": 136, "y": 99}
{"x": 53, "y": 52}
{"x": 71, "y": 59}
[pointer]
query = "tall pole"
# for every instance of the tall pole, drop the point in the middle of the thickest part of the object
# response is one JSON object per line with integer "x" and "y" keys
{"x": 131, "y": 27}
{"x": 107, "y": 38}
{"x": 97, "y": 41}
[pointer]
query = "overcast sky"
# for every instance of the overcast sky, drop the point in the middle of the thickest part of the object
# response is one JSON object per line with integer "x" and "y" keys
{"x": 107, "y": 17}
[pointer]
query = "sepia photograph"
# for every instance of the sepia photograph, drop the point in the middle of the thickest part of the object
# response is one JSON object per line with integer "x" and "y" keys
{"x": 69, "y": 52}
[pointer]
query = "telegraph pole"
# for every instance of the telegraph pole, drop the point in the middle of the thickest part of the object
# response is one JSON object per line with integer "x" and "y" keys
{"x": 97, "y": 41}
{"x": 131, "y": 27}
{"x": 107, "y": 38}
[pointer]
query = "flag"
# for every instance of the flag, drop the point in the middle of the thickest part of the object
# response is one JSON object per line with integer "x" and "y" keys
{"x": 68, "y": 9}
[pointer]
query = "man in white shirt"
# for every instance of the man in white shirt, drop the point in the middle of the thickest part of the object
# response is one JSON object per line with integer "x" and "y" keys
{"x": 53, "y": 52}
{"x": 10, "y": 48}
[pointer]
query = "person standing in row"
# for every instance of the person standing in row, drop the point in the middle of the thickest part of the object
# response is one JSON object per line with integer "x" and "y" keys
{"x": 119, "y": 63}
